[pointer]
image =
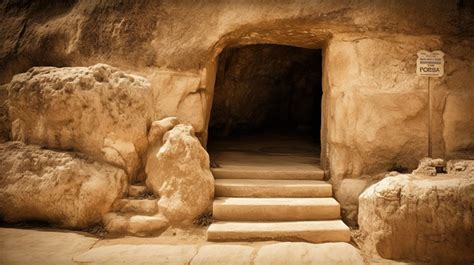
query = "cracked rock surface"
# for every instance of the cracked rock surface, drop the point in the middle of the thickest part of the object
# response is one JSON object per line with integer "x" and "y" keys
{"x": 62, "y": 188}
{"x": 82, "y": 249}
{"x": 421, "y": 218}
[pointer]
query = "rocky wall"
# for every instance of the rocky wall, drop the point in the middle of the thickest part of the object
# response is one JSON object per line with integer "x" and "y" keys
{"x": 377, "y": 111}
{"x": 375, "y": 106}
{"x": 145, "y": 34}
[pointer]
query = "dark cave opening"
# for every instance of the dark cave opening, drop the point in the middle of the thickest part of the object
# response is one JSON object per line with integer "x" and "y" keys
{"x": 267, "y": 90}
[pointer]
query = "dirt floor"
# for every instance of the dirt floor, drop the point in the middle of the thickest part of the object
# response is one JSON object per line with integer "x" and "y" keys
{"x": 175, "y": 246}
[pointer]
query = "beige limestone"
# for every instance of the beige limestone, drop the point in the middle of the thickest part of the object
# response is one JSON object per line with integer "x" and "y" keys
{"x": 223, "y": 255}
{"x": 375, "y": 107}
{"x": 304, "y": 253}
{"x": 372, "y": 127}
{"x": 179, "y": 94}
{"x": 116, "y": 224}
{"x": 311, "y": 231}
{"x": 120, "y": 224}
{"x": 459, "y": 122}
{"x": 420, "y": 218}
{"x": 65, "y": 189}
{"x": 178, "y": 172}
{"x": 256, "y": 172}
{"x": 348, "y": 196}
{"x": 429, "y": 166}
{"x": 105, "y": 32}
{"x": 145, "y": 206}
{"x": 28, "y": 246}
{"x": 22, "y": 246}
{"x": 97, "y": 110}
{"x": 272, "y": 188}
{"x": 257, "y": 164}
{"x": 138, "y": 254}
{"x": 4, "y": 119}
{"x": 460, "y": 167}
{"x": 378, "y": 121}
{"x": 275, "y": 209}
{"x": 143, "y": 225}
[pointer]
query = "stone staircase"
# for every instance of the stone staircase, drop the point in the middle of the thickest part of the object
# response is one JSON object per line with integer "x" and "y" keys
{"x": 275, "y": 203}
{"x": 136, "y": 215}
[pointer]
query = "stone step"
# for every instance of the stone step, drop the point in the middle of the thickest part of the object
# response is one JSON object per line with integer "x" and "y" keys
{"x": 275, "y": 209}
{"x": 118, "y": 224}
{"x": 266, "y": 173}
{"x": 137, "y": 206}
{"x": 272, "y": 188}
{"x": 310, "y": 231}
{"x": 136, "y": 190}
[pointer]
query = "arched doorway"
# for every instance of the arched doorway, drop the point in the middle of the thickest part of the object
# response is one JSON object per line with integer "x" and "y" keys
{"x": 267, "y": 106}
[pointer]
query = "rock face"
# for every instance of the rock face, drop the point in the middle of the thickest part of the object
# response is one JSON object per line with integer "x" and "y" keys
{"x": 66, "y": 189}
{"x": 375, "y": 108}
{"x": 106, "y": 31}
{"x": 4, "y": 120}
{"x": 420, "y": 218}
{"x": 430, "y": 167}
{"x": 348, "y": 196}
{"x": 178, "y": 171}
{"x": 98, "y": 110}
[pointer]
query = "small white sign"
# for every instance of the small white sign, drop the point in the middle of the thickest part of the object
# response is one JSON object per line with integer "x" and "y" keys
{"x": 430, "y": 64}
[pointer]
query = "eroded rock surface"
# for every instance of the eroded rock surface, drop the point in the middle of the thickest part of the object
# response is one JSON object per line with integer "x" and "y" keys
{"x": 304, "y": 253}
{"x": 178, "y": 171}
{"x": 4, "y": 120}
{"x": 420, "y": 218}
{"x": 138, "y": 254}
{"x": 29, "y": 246}
{"x": 430, "y": 167}
{"x": 66, "y": 189}
{"x": 224, "y": 254}
{"x": 377, "y": 122}
{"x": 98, "y": 110}
{"x": 348, "y": 196}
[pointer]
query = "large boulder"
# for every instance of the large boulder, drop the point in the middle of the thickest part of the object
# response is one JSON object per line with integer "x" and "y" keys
{"x": 66, "y": 189}
{"x": 98, "y": 110}
{"x": 178, "y": 171}
{"x": 348, "y": 196}
{"x": 421, "y": 218}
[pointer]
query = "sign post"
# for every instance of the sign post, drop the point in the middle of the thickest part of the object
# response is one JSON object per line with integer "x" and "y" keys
{"x": 430, "y": 64}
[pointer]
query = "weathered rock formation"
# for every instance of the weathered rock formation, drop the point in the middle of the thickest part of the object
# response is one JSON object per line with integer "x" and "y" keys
{"x": 374, "y": 108}
{"x": 98, "y": 110}
{"x": 371, "y": 92}
{"x": 421, "y": 218}
{"x": 348, "y": 196}
{"x": 178, "y": 171}
{"x": 430, "y": 167}
{"x": 65, "y": 189}
{"x": 4, "y": 120}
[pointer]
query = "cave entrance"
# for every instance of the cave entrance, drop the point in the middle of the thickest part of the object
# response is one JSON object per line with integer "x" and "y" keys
{"x": 266, "y": 106}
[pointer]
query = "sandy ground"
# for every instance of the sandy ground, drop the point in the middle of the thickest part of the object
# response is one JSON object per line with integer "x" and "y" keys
{"x": 175, "y": 246}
